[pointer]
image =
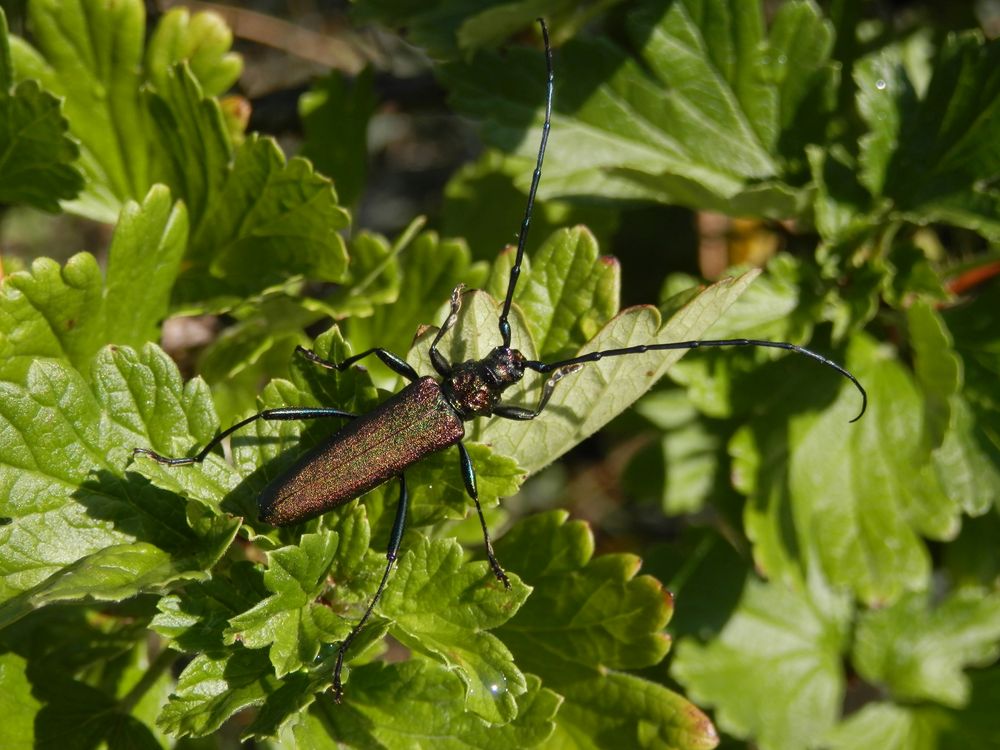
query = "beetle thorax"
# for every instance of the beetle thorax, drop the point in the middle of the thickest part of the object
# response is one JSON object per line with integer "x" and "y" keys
{"x": 475, "y": 387}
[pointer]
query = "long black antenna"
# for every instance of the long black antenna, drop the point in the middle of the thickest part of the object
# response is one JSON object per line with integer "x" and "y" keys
{"x": 515, "y": 271}
{"x": 544, "y": 367}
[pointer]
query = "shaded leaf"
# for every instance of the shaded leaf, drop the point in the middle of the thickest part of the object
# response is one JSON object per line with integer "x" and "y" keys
{"x": 855, "y": 497}
{"x": 36, "y": 155}
{"x": 919, "y": 651}
{"x": 933, "y": 156}
{"x": 774, "y": 671}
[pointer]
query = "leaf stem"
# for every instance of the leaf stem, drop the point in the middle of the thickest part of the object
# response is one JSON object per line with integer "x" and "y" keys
{"x": 159, "y": 665}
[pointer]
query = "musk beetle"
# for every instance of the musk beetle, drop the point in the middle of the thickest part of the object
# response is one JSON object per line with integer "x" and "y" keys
{"x": 428, "y": 415}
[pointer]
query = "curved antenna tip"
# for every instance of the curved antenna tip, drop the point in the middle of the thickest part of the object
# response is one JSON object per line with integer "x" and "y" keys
{"x": 864, "y": 401}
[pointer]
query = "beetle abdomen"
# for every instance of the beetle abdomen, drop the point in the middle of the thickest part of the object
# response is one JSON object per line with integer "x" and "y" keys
{"x": 371, "y": 449}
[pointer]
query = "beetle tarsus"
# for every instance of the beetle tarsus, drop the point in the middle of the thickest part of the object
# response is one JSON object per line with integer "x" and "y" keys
{"x": 497, "y": 570}
{"x": 165, "y": 460}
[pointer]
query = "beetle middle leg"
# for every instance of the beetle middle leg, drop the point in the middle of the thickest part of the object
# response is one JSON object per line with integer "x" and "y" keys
{"x": 395, "y": 538}
{"x": 469, "y": 477}
{"x": 285, "y": 414}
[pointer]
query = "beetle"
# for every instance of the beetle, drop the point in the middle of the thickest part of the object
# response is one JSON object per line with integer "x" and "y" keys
{"x": 428, "y": 415}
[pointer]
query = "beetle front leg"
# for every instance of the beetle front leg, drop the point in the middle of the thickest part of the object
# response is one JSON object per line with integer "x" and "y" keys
{"x": 437, "y": 359}
{"x": 523, "y": 414}
{"x": 395, "y": 538}
{"x": 393, "y": 361}
{"x": 469, "y": 477}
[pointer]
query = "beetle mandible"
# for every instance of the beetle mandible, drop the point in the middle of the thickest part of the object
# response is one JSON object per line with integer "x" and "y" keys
{"x": 428, "y": 415}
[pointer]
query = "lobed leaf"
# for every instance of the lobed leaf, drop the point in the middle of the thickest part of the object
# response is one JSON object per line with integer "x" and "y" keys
{"x": 416, "y": 690}
{"x": 854, "y": 497}
{"x": 291, "y": 622}
{"x": 704, "y": 120}
{"x": 442, "y": 607}
{"x": 76, "y": 525}
{"x": 91, "y": 54}
{"x": 586, "y": 401}
{"x": 587, "y": 617}
{"x": 932, "y": 156}
{"x": 774, "y": 671}
{"x": 919, "y": 651}
{"x": 36, "y": 154}
{"x": 203, "y": 41}
{"x": 17, "y": 703}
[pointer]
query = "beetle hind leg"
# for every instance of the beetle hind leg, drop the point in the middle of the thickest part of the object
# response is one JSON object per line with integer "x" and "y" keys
{"x": 395, "y": 538}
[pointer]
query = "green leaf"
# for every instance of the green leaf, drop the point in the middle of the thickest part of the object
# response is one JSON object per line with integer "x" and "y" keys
{"x": 919, "y": 650}
{"x": 335, "y": 115}
{"x": 180, "y": 417}
{"x": 375, "y": 276}
{"x": 91, "y": 54}
{"x": 442, "y": 607}
{"x": 622, "y": 710}
{"x": 933, "y": 156}
{"x": 570, "y": 294}
{"x": 431, "y": 268}
{"x": 584, "y": 612}
{"x": 707, "y": 125}
{"x": 774, "y": 672}
{"x": 68, "y": 503}
{"x": 937, "y": 367}
{"x": 586, "y": 618}
{"x": 148, "y": 243}
{"x": 399, "y": 706}
{"x": 683, "y": 469}
{"x": 112, "y": 574}
{"x": 781, "y": 305}
{"x": 36, "y": 155}
{"x": 291, "y": 622}
{"x": 202, "y": 41}
{"x": 707, "y": 574}
{"x": 586, "y": 401}
{"x": 971, "y": 451}
{"x": 212, "y": 689}
{"x": 483, "y": 203}
{"x": 196, "y": 618}
{"x": 890, "y": 726}
{"x": 195, "y": 148}
{"x": 51, "y": 311}
{"x": 273, "y": 214}
{"x": 256, "y": 219}
{"x": 20, "y": 708}
{"x": 853, "y": 497}
{"x": 63, "y": 312}
{"x": 842, "y": 207}
{"x": 438, "y": 490}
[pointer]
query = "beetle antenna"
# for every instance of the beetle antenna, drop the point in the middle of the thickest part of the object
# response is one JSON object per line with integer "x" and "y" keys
{"x": 543, "y": 367}
{"x": 522, "y": 237}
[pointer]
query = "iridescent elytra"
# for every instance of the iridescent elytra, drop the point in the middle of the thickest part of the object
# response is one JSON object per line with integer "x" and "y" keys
{"x": 428, "y": 415}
